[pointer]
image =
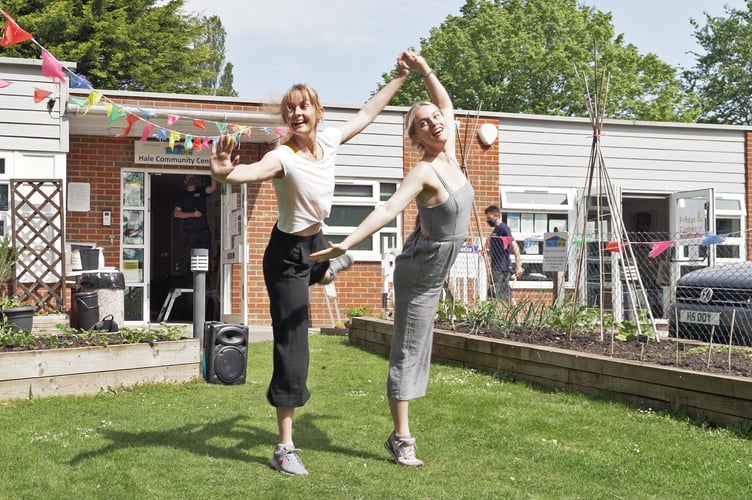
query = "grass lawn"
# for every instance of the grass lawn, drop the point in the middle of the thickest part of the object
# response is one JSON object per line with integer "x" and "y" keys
{"x": 481, "y": 436}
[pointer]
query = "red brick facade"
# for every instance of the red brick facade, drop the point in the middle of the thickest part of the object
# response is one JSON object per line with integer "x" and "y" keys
{"x": 99, "y": 161}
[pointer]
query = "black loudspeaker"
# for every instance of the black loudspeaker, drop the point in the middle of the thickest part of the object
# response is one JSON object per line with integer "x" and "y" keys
{"x": 225, "y": 353}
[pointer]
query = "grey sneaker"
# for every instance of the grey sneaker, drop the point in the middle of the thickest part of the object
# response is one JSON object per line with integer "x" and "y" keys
{"x": 403, "y": 451}
{"x": 341, "y": 263}
{"x": 286, "y": 460}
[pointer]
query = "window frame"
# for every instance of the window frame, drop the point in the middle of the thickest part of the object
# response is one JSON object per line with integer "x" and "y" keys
{"x": 374, "y": 201}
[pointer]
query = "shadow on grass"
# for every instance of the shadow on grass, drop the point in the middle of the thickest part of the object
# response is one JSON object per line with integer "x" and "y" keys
{"x": 197, "y": 438}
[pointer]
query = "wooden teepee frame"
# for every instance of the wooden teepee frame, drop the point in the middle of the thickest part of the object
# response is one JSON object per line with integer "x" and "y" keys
{"x": 599, "y": 206}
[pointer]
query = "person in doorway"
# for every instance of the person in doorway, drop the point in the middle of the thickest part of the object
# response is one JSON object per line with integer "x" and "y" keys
{"x": 302, "y": 173}
{"x": 501, "y": 265}
{"x": 444, "y": 199}
{"x": 191, "y": 209}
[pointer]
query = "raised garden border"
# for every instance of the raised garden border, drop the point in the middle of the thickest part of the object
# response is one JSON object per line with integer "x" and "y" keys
{"x": 718, "y": 399}
{"x": 89, "y": 370}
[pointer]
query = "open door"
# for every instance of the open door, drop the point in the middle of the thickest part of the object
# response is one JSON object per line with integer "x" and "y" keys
{"x": 233, "y": 255}
{"x": 691, "y": 219}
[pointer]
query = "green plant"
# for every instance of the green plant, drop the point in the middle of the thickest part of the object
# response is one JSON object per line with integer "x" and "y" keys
{"x": 8, "y": 258}
{"x": 355, "y": 312}
{"x": 10, "y": 301}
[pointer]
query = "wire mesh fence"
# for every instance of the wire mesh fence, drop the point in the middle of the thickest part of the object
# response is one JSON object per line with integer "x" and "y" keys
{"x": 697, "y": 288}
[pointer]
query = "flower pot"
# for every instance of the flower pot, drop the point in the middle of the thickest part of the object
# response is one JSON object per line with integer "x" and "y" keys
{"x": 19, "y": 318}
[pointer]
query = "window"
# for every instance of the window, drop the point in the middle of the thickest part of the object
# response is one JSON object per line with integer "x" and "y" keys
{"x": 530, "y": 213}
{"x": 353, "y": 201}
{"x": 4, "y": 199}
{"x": 729, "y": 218}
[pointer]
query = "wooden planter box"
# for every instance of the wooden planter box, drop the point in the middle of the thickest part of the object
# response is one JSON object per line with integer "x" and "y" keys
{"x": 89, "y": 370}
{"x": 721, "y": 400}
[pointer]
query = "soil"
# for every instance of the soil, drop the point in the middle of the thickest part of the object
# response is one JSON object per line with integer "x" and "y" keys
{"x": 684, "y": 354}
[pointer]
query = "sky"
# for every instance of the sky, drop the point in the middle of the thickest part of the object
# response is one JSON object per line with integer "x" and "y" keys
{"x": 342, "y": 47}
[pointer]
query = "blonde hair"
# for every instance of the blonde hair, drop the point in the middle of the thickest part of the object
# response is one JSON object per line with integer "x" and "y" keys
{"x": 410, "y": 131}
{"x": 293, "y": 93}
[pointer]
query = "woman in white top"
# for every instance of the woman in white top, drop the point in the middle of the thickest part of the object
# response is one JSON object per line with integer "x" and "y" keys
{"x": 302, "y": 172}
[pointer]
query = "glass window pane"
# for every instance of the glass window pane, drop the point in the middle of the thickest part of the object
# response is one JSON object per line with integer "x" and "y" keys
{"x": 133, "y": 227}
{"x": 4, "y": 197}
{"x": 366, "y": 245}
{"x": 134, "y": 303}
{"x": 354, "y": 190}
{"x": 387, "y": 190}
{"x": 133, "y": 189}
{"x": 2, "y": 165}
{"x": 725, "y": 204}
{"x": 350, "y": 215}
{"x": 537, "y": 198}
{"x": 727, "y": 226}
{"x": 133, "y": 265}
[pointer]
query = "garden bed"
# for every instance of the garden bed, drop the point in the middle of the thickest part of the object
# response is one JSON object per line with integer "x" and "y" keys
{"x": 27, "y": 374}
{"x": 719, "y": 399}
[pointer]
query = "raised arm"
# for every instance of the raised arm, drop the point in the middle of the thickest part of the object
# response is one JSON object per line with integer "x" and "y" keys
{"x": 370, "y": 110}
{"x": 227, "y": 169}
{"x": 409, "y": 189}
{"x": 439, "y": 96}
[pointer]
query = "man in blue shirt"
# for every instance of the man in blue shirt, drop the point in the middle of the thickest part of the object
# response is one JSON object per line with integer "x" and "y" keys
{"x": 501, "y": 266}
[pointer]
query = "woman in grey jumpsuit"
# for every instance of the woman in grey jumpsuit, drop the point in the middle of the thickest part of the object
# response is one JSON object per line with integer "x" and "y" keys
{"x": 444, "y": 199}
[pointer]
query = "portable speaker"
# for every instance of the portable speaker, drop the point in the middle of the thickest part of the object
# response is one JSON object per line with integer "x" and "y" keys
{"x": 225, "y": 353}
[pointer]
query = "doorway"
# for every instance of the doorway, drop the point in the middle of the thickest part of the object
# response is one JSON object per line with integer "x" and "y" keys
{"x": 169, "y": 268}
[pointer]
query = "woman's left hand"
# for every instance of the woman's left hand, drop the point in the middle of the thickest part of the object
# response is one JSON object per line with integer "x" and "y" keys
{"x": 334, "y": 251}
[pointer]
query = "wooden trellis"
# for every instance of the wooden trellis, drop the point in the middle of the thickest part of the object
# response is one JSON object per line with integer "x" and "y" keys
{"x": 38, "y": 230}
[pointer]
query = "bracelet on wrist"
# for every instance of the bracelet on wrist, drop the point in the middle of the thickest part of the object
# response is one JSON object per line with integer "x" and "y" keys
{"x": 426, "y": 75}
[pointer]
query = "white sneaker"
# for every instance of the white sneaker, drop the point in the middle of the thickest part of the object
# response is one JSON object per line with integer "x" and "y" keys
{"x": 341, "y": 263}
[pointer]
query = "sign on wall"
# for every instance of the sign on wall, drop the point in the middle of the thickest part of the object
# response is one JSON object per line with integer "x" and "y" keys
{"x": 160, "y": 153}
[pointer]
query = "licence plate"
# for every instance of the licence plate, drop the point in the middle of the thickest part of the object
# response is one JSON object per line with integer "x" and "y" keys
{"x": 700, "y": 317}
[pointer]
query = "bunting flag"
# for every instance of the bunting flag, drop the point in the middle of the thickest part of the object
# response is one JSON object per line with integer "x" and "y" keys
{"x": 41, "y": 94}
{"x": 13, "y": 33}
{"x": 92, "y": 100}
{"x": 199, "y": 124}
{"x": 281, "y": 131}
{"x": 78, "y": 101}
{"x": 162, "y": 134}
{"x": 172, "y": 138}
{"x": 147, "y": 131}
{"x": 171, "y": 119}
{"x": 51, "y": 67}
{"x": 188, "y": 143}
{"x": 4, "y": 83}
{"x": 131, "y": 119}
{"x": 615, "y": 247}
{"x": 658, "y": 247}
{"x": 147, "y": 113}
{"x": 79, "y": 82}
{"x": 222, "y": 127}
{"x": 713, "y": 239}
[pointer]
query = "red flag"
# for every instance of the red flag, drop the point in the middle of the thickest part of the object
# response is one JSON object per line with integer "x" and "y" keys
{"x": 13, "y": 32}
{"x": 199, "y": 123}
{"x": 41, "y": 94}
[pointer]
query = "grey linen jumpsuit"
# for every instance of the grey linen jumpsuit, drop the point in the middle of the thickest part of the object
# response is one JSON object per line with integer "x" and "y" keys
{"x": 419, "y": 274}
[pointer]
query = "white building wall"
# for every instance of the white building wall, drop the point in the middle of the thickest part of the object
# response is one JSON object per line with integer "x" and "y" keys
{"x": 375, "y": 153}
{"x": 639, "y": 157}
{"x": 24, "y": 124}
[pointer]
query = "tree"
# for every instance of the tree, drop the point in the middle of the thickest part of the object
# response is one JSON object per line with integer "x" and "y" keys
{"x": 141, "y": 45}
{"x": 519, "y": 56}
{"x": 722, "y": 76}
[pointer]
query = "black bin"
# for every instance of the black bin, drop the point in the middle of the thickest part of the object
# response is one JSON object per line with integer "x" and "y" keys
{"x": 84, "y": 310}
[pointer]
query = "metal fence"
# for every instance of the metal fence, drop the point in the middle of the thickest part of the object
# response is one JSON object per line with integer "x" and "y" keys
{"x": 696, "y": 287}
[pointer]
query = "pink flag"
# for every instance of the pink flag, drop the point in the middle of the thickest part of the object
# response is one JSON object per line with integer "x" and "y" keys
{"x": 147, "y": 131}
{"x": 51, "y": 67}
{"x": 659, "y": 247}
{"x": 171, "y": 119}
{"x": 41, "y": 94}
{"x": 281, "y": 131}
{"x": 13, "y": 33}
{"x": 4, "y": 83}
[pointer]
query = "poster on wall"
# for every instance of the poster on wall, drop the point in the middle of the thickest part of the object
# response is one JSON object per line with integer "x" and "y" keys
{"x": 555, "y": 247}
{"x": 79, "y": 197}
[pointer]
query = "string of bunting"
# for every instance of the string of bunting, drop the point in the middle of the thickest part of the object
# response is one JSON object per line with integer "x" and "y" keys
{"x": 51, "y": 67}
{"x": 656, "y": 247}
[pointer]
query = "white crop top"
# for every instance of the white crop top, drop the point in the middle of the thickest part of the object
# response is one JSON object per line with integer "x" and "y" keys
{"x": 304, "y": 194}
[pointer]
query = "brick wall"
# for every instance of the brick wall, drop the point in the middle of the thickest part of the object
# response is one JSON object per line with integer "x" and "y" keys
{"x": 100, "y": 160}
